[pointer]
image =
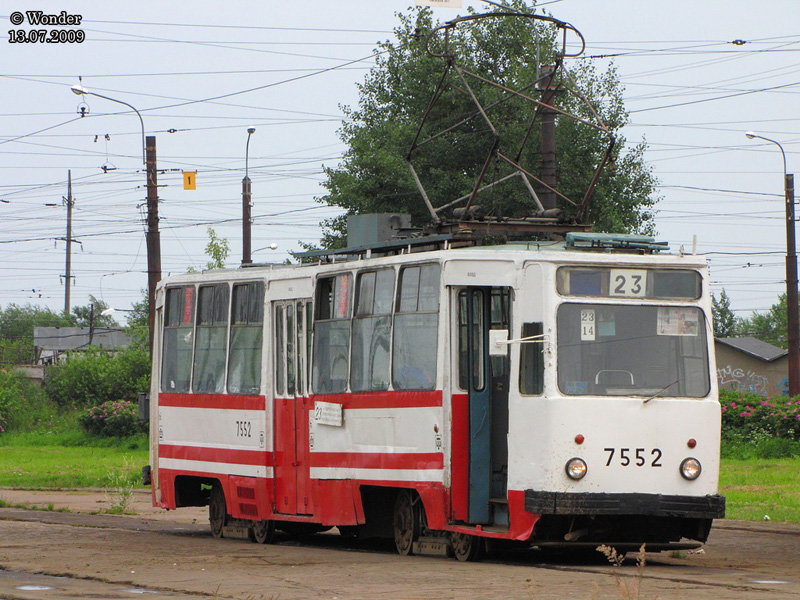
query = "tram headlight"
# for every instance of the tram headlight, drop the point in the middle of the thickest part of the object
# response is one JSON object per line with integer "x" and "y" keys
{"x": 575, "y": 468}
{"x": 690, "y": 469}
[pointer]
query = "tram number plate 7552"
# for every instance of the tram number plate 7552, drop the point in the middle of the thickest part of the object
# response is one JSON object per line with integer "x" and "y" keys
{"x": 244, "y": 429}
{"x": 634, "y": 456}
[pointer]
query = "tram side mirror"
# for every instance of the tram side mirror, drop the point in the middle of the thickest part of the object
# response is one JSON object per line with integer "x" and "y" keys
{"x": 498, "y": 342}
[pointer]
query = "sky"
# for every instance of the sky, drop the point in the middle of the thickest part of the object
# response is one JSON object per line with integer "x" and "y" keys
{"x": 696, "y": 75}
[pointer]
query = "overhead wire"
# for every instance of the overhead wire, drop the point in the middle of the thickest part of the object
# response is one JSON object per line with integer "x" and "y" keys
{"x": 221, "y": 169}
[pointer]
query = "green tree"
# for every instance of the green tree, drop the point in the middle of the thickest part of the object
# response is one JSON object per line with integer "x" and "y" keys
{"x": 217, "y": 250}
{"x": 18, "y": 322}
{"x": 91, "y": 314}
{"x": 139, "y": 323}
{"x": 725, "y": 322}
{"x": 373, "y": 175}
{"x": 770, "y": 327}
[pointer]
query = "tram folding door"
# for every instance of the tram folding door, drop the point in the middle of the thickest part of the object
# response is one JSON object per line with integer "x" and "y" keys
{"x": 291, "y": 351}
{"x": 484, "y": 427}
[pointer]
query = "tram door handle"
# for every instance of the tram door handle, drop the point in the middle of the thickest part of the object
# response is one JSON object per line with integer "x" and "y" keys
{"x": 295, "y": 463}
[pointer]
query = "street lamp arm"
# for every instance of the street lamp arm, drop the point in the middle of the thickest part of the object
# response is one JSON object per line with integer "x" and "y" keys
{"x": 752, "y": 135}
{"x": 250, "y": 131}
{"x": 81, "y": 91}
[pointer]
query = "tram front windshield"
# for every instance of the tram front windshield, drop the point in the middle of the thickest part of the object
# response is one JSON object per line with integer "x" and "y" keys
{"x": 632, "y": 350}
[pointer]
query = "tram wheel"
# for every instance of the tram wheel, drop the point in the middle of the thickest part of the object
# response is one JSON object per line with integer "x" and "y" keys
{"x": 406, "y": 523}
{"x": 467, "y": 548}
{"x": 217, "y": 511}
{"x": 262, "y": 532}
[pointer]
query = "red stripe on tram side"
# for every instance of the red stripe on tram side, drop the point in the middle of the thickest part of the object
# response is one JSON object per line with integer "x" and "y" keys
{"x": 226, "y": 401}
{"x": 412, "y": 399}
{"x": 459, "y": 491}
{"x": 376, "y": 460}
{"x": 216, "y": 455}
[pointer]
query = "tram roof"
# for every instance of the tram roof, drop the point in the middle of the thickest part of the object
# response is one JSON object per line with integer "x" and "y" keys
{"x": 573, "y": 242}
{"x": 580, "y": 248}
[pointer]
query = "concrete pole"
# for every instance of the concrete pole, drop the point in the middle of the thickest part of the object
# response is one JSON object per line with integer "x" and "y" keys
{"x": 153, "y": 237}
{"x": 792, "y": 319}
{"x": 68, "y": 266}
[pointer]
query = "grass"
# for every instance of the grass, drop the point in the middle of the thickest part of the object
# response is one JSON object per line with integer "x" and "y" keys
{"x": 756, "y": 488}
{"x": 70, "y": 460}
{"x": 49, "y": 508}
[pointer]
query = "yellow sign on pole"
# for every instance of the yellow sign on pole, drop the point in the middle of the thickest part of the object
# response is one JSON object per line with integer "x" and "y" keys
{"x": 190, "y": 180}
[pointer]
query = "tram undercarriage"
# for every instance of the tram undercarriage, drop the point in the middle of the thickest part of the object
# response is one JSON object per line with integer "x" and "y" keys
{"x": 399, "y": 514}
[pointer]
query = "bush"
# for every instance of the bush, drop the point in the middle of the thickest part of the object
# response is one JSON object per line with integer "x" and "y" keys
{"x": 117, "y": 418}
{"x": 22, "y": 402}
{"x": 95, "y": 376}
{"x": 17, "y": 352}
{"x": 11, "y": 396}
{"x": 755, "y": 417}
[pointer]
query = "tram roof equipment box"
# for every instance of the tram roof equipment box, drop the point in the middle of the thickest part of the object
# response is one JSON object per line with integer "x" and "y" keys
{"x": 367, "y": 229}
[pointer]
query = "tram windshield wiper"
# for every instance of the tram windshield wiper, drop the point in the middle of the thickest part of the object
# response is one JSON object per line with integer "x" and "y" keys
{"x": 658, "y": 393}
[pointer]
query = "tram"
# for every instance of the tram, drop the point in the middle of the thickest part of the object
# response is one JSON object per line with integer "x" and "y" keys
{"x": 546, "y": 393}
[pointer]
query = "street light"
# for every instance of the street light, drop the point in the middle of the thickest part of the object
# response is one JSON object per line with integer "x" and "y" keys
{"x": 82, "y": 91}
{"x": 152, "y": 236}
{"x": 272, "y": 246}
{"x": 792, "y": 318}
{"x": 111, "y": 310}
{"x": 246, "y": 254}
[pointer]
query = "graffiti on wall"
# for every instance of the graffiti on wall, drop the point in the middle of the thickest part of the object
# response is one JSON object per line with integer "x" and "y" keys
{"x": 742, "y": 380}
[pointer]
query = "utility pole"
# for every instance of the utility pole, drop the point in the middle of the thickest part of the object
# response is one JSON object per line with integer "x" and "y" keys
{"x": 152, "y": 237}
{"x": 91, "y": 323}
{"x": 792, "y": 317}
{"x": 246, "y": 204}
{"x": 548, "y": 197}
{"x": 246, "y": 221}
{"x": 68, "y": 268}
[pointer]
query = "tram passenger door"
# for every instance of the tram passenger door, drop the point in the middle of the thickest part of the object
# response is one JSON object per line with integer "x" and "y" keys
{"x": 486, "y": 380}
{"x": 291, "y": 343}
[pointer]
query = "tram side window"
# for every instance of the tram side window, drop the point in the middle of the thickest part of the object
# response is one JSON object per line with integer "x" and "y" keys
{"x": 372, "y": 324}
{"x": 414, "y": 347}
{"x": 211, "y": 343}
{"x": 500, "y": 307}
{"x": 176, "y": 359}
{"x": 292, "y": 320}
{"x": 475, "y": 298}
{"x": 304, "y": 317}
{"x": 280, "y": 351}
{"x": 247, "y": 330}
{"x": 531, "y": 368}
{"x": 332, "y": 335}
{"x": 291, "y": 356}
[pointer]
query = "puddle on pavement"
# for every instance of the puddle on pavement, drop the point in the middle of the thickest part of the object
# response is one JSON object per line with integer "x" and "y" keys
{"x": 29, "y": 582}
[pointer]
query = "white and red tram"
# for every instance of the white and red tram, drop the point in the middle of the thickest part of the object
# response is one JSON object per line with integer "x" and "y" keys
{"x": 551, "y": 393}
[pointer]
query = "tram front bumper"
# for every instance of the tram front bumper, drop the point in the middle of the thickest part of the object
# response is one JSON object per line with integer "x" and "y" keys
{"x": 657, "y": 505}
